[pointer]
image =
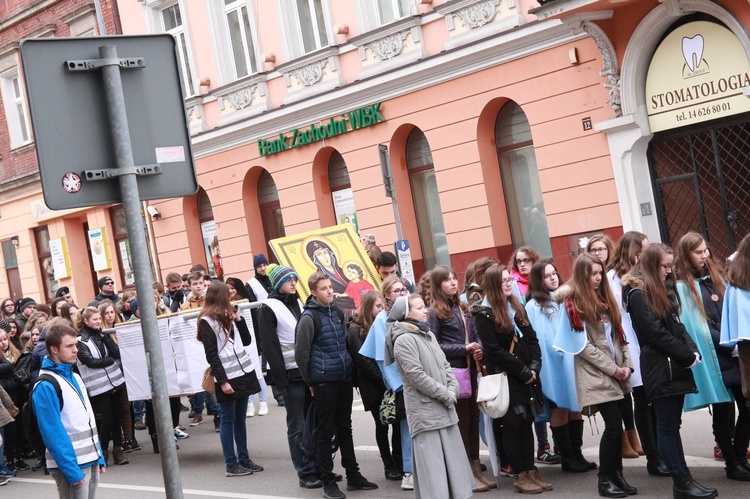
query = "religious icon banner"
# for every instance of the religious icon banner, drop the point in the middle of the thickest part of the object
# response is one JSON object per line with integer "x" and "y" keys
{"x": 335, "y": 251}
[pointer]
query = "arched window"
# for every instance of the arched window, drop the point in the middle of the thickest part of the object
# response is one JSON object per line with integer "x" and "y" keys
{"x": 426, "y": 201}
{"x": 270, "y": 211}
{"x": 523, "y": 192}
{"x": 210, "y": 237}
{"x": 341, "y": 191}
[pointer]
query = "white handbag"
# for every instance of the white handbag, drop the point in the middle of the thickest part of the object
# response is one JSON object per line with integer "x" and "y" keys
{"x": 493, "y": 396}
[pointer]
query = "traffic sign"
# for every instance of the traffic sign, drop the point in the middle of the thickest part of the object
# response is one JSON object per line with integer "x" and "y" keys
{"x": 72, "y": 131}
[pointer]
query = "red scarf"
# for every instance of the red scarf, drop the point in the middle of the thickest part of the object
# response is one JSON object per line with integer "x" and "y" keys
{"x": 577, "y": 323}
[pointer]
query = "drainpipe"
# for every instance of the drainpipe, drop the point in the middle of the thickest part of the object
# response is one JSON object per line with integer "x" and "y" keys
{"x": 100, "y": 17}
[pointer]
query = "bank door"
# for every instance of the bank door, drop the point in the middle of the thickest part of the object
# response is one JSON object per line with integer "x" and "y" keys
{"x": 701, "y": 179}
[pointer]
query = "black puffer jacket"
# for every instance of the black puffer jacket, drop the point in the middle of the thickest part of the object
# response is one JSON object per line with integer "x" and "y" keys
{"x": 667, "y": 351}
{"x": 526, "y": 357}
{"x": 366, "y": 370}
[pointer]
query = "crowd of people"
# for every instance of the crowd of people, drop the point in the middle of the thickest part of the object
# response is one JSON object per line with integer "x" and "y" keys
{"x": 638, "y": 334}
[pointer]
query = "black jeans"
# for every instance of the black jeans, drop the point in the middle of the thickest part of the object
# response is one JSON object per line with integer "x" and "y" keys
{"x": 333, "y": 409}
{"x": 610, "y": 445}
{"x": 732, "y": 436}
{"x": 106, "y": 408}
{"x": 174, "y": 409}
{"x": 518, "y": 440}
{"x": 668, "y": 421}
{"x": 626, "y": 409}
{"x": 389, "y": 457}
{"x": 645, "y": 422}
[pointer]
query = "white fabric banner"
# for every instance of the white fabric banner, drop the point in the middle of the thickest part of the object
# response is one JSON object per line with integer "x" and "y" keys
{"x": 183, "y": 355}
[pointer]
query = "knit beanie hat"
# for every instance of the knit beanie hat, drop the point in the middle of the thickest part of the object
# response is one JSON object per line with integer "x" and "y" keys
{"x": 24, "y": 304}
{"x": 259, "y": 260}
{"x": 5, "y": 326}
{"x": 279, "y": 274}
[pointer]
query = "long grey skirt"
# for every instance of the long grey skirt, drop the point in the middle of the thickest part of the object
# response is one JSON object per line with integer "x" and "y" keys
{"x": 440, "y": 467}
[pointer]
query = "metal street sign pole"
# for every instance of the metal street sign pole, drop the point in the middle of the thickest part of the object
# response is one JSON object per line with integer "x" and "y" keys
{"x": 127, "y": 173}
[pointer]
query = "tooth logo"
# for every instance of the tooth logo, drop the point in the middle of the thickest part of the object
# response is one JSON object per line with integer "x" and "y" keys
{"x": 692, "y": 51}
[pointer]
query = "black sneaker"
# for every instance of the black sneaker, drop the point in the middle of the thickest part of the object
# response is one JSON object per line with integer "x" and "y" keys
{"x": 22, "y": 466}
{"x": 332, "y": 491}
{"x": 184, "y": 408}
{"x": 238, "y": 470}
{"x": 358, "y": 482}
{"x": 310, "y": 482}
{"x": 134, "y": 445}
{"x": 217, "y": 424}
{"x": 249, "y": 464}
{"x": 126, "y": 447}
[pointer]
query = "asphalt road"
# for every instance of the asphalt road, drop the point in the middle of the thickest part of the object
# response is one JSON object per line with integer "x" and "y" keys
{"x": 202, "y": 467}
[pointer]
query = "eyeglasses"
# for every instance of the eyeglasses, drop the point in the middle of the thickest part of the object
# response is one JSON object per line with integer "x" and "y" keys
{"x": 525, "y": 261}
{"x": 598, "y": 250}
{"x": 509, "y": 280}
{"x": 550, "y": 275}
{"x": 399, "y": 291}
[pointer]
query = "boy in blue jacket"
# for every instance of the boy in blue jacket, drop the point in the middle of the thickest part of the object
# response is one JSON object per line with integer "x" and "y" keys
{"x": 66, "y": 421}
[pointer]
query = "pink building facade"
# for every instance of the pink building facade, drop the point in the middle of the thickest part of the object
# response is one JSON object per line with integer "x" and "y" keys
{"x": 505, "y": 123}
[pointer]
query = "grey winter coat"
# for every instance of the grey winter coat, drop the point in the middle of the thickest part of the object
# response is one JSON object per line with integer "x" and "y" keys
{"x": 430, "y": 388}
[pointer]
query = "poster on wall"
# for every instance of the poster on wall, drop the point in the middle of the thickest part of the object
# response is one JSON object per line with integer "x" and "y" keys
{"x": 183, "y": 355}
{"x": 343, "y": 207}
{"x": 99, "y": 249}
{"x": 211, "y": 247}
{"x": 58, "y": 249}
{"x": 697, "y": 74}
{"x": 337, "y": 252}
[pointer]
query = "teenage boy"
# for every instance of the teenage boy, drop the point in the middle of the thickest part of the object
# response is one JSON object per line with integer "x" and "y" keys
{"x": 196, "y": 296}
{"x": 387, "y": 265}
{"x": 173, "y": 296}
{"x": 74, "y": 455}
{"x": 277, "y": 320}
{"x": 325, "y": 365}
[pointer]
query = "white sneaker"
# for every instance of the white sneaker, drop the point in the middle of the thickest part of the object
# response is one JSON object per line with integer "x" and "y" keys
{"x": 250, "y": 410}
{"x": 407, "y": 483}
{"x": 263, "y": 409}
{"x": 178, "y": 433}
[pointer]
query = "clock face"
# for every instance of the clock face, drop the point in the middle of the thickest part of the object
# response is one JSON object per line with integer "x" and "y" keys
{"x": 71, "y": 182}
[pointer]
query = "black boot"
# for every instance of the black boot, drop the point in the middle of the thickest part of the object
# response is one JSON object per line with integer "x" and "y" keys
{"x": 734, "y": 469}
{"x": 656, "y": 466}
{"x": 685, "y": 487}
{"x": 155, "y": 442}
{"x": 619, "y": 479}
{"x": 568, "y": 461}
{"x": 608, "y": 487}
{"x": 575, "y": 428}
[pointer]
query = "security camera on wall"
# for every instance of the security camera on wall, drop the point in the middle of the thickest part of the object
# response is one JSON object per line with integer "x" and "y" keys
{"x": 155, "y": 215}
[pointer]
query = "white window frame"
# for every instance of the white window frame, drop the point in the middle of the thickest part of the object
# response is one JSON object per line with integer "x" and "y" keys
{"x": 154, "y": 18}
{"x": 222, "y": 42}
{"x": 17, "y": 122}
{"x": 292, "y": 38}
{"x": 369, "y": 16}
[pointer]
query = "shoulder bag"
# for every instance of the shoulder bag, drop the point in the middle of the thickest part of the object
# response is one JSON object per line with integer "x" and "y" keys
{"x": 493, "y": 395}
{"x": 463, "y": 374}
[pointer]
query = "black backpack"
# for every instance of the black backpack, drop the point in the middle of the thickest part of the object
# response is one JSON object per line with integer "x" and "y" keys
{"x": 30, "y": 423}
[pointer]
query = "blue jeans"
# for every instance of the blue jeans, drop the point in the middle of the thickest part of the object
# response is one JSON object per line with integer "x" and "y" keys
{"x": 297, "y": 399}
{"x": 668, "y": 421}
{"x": 202, "y": 398}
{"x": 262, "y": 394}
{"x": 139, "y": 410}
{"x": 405, "y": 445}
{"x": 232, "y": 431}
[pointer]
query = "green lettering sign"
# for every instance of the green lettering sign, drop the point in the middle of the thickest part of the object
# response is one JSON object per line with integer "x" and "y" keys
{"x": 314, "y": 132}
